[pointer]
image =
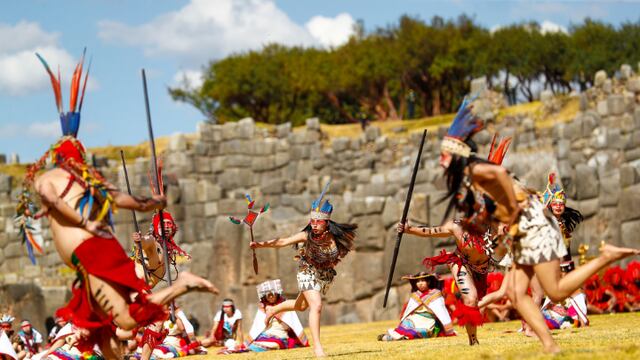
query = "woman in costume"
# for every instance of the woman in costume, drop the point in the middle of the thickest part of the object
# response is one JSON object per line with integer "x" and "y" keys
{"x": 572, "y": 312}
{"x": 324, "y": 244}
{"x": 568, "y": 218}
{"x": 284, "y": 332}
{"x": 487, "y": 195}
{"x": 470, "y": 263}
{"x": 227, "y": 325}
{"x": 425, "y": 314}
{"x": 80, "y": 203}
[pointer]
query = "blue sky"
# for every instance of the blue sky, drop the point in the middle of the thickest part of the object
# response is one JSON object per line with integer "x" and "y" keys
{"x": 173, "y": 39}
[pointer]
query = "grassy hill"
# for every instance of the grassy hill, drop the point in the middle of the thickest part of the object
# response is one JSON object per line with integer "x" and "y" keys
{"x": 609, "y": 337}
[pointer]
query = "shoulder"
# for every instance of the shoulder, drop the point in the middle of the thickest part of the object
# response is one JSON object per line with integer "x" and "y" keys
{"x": 217, "y": 315}
{"x": 238, "y": 314}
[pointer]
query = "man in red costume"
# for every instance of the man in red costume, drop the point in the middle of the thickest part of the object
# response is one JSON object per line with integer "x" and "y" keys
{"x": 79, "y": 204}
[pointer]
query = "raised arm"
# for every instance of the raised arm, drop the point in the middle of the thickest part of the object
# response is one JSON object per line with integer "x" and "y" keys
{"x": 442, "y": 231}
{"x": 139, "y": 203}
{"x": 280, "y": 242}
{"x": 495, "y": 180}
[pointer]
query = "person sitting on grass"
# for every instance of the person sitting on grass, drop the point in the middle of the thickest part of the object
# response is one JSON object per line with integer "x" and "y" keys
{"x": 425, "y": 314}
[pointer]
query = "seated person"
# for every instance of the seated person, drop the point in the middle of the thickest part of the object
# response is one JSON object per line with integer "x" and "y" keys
{"x": 227, "y": 324}
{"x": 64, "y": 346}
{"x": 284, "y": 332}
{"x": 425, "y": 314}
{"x": 574, "y": 310}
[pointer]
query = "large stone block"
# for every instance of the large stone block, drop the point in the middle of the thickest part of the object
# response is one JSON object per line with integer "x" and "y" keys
{"x": 394, "y": 305}
{"x": 630, "y": 233}
{"x": 371, "y": 233}
{"x": 615, "y": 104}
{"x": 14, "y": 250}
{"x": 610, "y": 190}
{"x": 371, "y": 133}
{"x": 177, "y": 142}
{"x": 392, "y": 212}
{"x": 340, "y": 144}
{"x": 208, "y": 191}
{"x": 283, "y": 130}
{"x": 246, "y": 128}
{"x": 628, "y": 206}
{"x": 412, "y": 251}
{"x": 587, "y": 183}
{"x": 629, "y": 175}
{"x": 602, "y": 107}
{"x": 367, "y": 205}
{"x": 229, "y": 131}
{"x": 369, "y": 274}
{"x": 234, "y": 178}
{"x": 237, "y": 161}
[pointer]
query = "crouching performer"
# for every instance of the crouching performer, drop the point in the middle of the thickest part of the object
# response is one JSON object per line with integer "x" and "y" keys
{"x": 284, "y": 332}
{"x": 79, "y": 204}
{"x": 425, "y": 314}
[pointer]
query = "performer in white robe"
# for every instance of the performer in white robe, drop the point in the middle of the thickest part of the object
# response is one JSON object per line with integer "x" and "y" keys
{"x": 285, "y": 332}
{"x": 425, "y": 314}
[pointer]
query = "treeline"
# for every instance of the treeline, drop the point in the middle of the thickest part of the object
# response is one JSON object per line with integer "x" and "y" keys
{"x": 410, "y": 69}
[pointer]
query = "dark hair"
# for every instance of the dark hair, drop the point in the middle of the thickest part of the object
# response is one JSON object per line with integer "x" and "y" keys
{"x": 233, "y": 307}
{"x": 343, "y": 234}
{"x": 570, "y": 218}
{"x": 279, "y": 299}
{"x": 432, "y": 283}
{"x": 454, "y": 174}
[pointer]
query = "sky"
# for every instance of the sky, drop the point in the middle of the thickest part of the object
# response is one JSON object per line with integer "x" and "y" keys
{"x": 174, "y": 40}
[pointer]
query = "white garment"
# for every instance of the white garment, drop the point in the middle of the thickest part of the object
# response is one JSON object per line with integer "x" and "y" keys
{"x": 188, "y": 327}
{"x": 229, "y": 320}
{"x": 6, "y": 348}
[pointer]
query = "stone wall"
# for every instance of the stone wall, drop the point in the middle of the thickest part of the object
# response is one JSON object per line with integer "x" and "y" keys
{"x": 597, "y": 156}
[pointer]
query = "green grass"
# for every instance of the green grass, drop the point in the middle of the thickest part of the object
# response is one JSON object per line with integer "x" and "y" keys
{"x": 609, "y": 337}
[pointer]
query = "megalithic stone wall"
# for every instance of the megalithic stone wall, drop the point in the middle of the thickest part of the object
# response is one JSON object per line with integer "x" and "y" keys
{"x": 597, "y": 156}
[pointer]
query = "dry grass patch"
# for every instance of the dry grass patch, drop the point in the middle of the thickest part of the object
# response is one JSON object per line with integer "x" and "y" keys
{"x": 609, "y": 337}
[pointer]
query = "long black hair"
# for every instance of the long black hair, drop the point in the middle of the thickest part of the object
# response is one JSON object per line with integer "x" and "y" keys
{"x": 343, "y": 234}
{"x": 454, "y": 175}
{"x": 571, "y": 218}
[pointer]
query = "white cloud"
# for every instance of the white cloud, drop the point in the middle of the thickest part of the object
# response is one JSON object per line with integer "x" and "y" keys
{"x": 204, "y": 30}
{"x": 331, "y": 31}
{"x": 551, "y": 27}
{"x": 42, "y": 130}
{"x": 190, "y": 77}
{"x": 20, "y": 70}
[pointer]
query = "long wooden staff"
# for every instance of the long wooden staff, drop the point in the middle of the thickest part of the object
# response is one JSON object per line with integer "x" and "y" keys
{"x": 135, "y": 219}
{"x": 407, "y": 203}
{"x": 154, "y": 165}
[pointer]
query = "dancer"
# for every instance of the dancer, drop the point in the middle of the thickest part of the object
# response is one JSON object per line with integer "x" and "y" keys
{"x": 568, "y": 218}
{"x": 325, "y": 243}
{"x": 79, "y": 204}
{"x": 30, "y": 338}
{"x": 425, "y": 314}
{"x": 284, "y": 332}
{"x": 472, "y": 260}
{"x": 486, "y": 194}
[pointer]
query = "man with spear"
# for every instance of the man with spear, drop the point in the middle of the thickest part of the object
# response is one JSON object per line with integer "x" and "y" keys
{"x": 79, "y": 204}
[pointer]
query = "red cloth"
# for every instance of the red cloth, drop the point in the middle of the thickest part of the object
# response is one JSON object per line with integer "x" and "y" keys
{"x": 105, "y": 259}
{"x": 446, "y": 258}
{"x": 468, "y": 315}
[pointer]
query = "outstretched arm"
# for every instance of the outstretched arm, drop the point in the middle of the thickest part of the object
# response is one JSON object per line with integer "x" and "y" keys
{"x": 280, "y": 242}
{"x": 442, "y": 231}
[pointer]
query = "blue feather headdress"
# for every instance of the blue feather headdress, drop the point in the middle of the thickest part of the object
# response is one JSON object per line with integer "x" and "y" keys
{"x": 463, "y": 126}
{"x": 319, "y": 210}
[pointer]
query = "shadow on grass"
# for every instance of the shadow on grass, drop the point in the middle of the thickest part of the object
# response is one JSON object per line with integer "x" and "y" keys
{"x": 348, "y": 353}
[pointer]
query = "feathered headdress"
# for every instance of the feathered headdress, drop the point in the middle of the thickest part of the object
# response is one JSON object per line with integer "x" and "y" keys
{"x": 319, "y": 210}
{"x": 463, "y": 126}
{"x": 553, "y": 192}
{"x": 497, "y": 153}
{"x": 6, "y": 319}
{"x": 69, "y": 121}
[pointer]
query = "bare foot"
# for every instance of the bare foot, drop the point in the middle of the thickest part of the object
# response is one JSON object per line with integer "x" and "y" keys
{"x": 614, "y": 253}
{"x": 551, "y": 349}
{"x": 319, "y": 352}
{"x": 195, "y": 283}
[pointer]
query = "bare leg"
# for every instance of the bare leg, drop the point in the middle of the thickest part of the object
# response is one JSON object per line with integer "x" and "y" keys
{"x": 496, "y": 295}
{"x": 519, "y": 279}
{"x": 537, "y": 294}
{"x": 314, "y": 299}
{"x": 111, "y": 299}
{"x": 559, "y": 289}
{"x": 469, "y": 295}
{"x": 299, "y": 304}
